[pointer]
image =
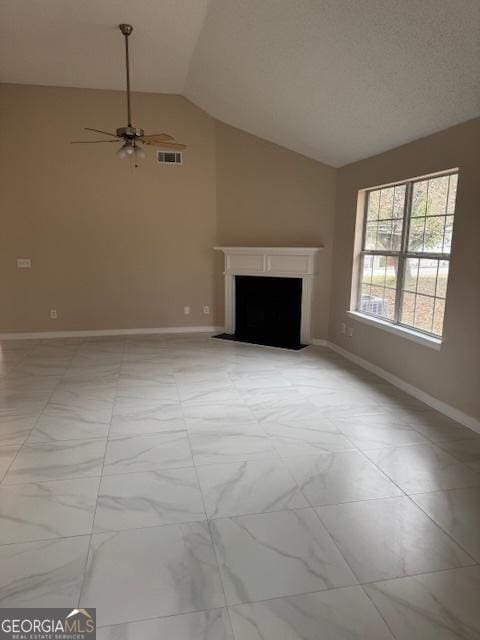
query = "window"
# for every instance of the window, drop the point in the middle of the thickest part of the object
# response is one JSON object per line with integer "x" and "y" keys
{"x": 405, "y": 252}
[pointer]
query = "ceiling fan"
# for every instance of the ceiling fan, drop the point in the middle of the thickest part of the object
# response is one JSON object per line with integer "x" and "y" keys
{"x": 132, "y": 137}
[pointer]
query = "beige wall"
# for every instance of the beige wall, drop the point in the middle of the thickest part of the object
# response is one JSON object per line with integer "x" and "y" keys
{"x": 267, "y": 195}
{"x": 453, "y": 373}
{"x": 116, "y": 248}
{"x": 111, "y": 247}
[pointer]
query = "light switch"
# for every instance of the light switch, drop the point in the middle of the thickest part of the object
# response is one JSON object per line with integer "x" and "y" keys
{"x": 24, "y": 263}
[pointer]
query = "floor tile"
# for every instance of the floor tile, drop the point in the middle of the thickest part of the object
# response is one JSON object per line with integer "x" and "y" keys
{"x": 140, "y": 415}
{"x": 338, "y": 614}
{"x": 305, "y": 416}
{"x": 201, "y": 394}
{"x": 42, "y": 574}
{"x": 458, "y": 513}
{"x": 276, "y": 554}
{"x": 201, "y": 625}
{"x": 48, "y": 429}
{"x": 435, "y": 606}
{"x": 54, "y": 509}
{"x": 44, "y": 365}
{"x": 295, "y": 441}
{"x": 422, "y": 468}
{"x": 14, "y": 430}
{"x": 345, "y": 403}
{"x": 103, "y": 388}
{"x": 378, "y": 431}
{"x": 157, "y": 571}
{"x": 248, "y": 487}
{"x": 84, "y": 410}
{"x": 99, "y": 360}
{"x": 148, "y": 452}
{"x": 86, "y": 370}
{"x": 273, "y": 432}
{"x": 147, "y": 347}
{"x": 148, "y": 499}
{"x": 266, "y": 398}
{"x": 164, "y": 390}
{"x": 393, "y": 399}
{"x": 389, "y": 538}
{"x": 281, "y": 407}
{"x": 233, "y": 445}
{"x": 57, "y": 460}
{"x": 436, "y": 426}
{"x": 18, "y": 384}
{"x": 7, "y": 456}
{"x": 347, "y": 476}
{"x": 210, "y": 376}
{"x": 194, "y": 385}
{"x": 308, "y": 381}
{"x": 466, "y": 451}
{"x": 145, "y": 367}
{"x": 96, "y": 395}
{"x": 22, "y": 405}
{"x": 224, "y": 416}
{"x": 250, "y": 381}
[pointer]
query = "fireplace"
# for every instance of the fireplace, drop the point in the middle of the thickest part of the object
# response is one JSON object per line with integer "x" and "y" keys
{"x": 268, "y": 294}
{"x": 268, "y": 310}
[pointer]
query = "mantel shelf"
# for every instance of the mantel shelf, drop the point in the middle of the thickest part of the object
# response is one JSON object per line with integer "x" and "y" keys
{"x": 299, "y": 251}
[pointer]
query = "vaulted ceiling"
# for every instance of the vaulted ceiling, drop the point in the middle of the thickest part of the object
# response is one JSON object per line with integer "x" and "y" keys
{"x": 336, "y": 80}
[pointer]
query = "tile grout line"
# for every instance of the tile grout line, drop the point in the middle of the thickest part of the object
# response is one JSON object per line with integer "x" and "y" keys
{"x": 407, "y": 495}
{"x": 367, "y": 595}
{"x": 50, "y": 395}
{"x": 87, "y": 558}
{"x": 207, "y": 524}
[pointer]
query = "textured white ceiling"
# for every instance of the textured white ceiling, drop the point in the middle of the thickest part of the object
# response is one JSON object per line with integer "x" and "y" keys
{"x": 76, "y": 43}
{"x": 339, "y": 80}
{"x": 336, "y": 80}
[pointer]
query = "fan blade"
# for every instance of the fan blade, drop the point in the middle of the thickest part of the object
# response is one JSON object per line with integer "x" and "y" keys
{"x": 156, "y": 137}
{"x": 93, "y": 141}
{"x": 165, "y": 145}
{"x": 107, "y": 133}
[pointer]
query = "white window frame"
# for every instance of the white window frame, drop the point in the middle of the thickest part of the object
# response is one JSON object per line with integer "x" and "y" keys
{"x": 396, "y": 326}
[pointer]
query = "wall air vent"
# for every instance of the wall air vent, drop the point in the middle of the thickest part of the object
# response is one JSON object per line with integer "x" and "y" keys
{"x": 169, "y": 157}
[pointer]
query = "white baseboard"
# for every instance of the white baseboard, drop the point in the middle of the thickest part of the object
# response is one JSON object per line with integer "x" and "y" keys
{"x": 319, "y": 342}
{"x": 435, "y": 403}
{"x": 107, "y": 332}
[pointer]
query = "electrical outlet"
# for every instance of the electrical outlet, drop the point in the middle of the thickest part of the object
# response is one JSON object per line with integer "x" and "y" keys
{"x": 53, "y": 314}
{"x": 343, "y": 327}
{"x": 24, "y": 263}
{"x": 186, "y": 311}
{"x": 206, "y": 309}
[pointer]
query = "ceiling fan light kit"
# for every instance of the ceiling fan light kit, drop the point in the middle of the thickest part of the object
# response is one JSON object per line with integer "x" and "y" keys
{"x": 133, "y": 137}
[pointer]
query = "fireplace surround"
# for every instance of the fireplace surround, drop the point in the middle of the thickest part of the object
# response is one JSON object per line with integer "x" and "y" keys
{"x": 270, "y": 262}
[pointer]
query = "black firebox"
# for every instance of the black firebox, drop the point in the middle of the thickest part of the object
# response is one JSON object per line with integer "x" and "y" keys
{"x": 268, "y": 311}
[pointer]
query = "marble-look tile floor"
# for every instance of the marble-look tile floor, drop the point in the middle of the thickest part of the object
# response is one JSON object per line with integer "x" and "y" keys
{"x": 194, "y": 489}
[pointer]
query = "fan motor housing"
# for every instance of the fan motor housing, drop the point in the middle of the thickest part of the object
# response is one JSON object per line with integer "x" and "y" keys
{"x": 130, "y": 132}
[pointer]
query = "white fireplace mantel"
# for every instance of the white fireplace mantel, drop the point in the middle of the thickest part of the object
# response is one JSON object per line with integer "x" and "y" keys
{"x": 284, "y": 262}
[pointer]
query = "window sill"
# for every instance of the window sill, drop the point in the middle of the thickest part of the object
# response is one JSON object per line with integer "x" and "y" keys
{"x": 410, "y": 334}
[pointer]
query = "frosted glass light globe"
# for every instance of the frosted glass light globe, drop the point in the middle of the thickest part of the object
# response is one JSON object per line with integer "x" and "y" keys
{"x": 122, "y": 152}
{"x": 139, "y": 153}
